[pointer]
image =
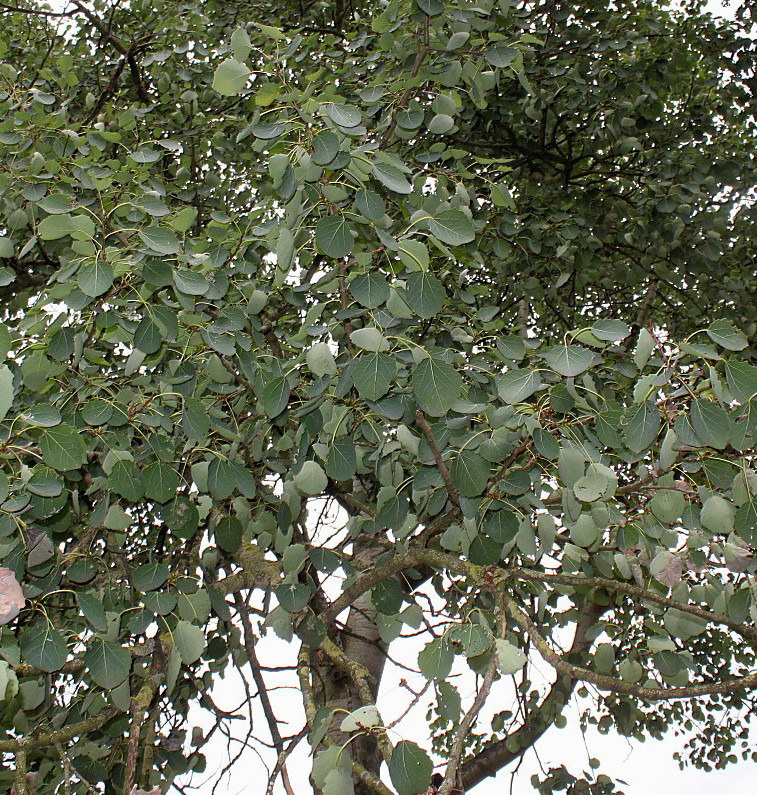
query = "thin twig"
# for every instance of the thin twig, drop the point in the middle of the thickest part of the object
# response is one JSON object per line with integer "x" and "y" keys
{"x": 420, "y": 421}
{"x": 450, "y": 774}
{"x": 270, "y": 715}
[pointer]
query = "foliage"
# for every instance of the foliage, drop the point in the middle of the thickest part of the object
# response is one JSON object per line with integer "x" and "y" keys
{"x": 475, "y": 283}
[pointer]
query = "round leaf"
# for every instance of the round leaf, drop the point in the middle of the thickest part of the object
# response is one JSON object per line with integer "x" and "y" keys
{"x": 452, "y": 227}
{"x": 436, "y": 385}
{"x": 108, "y": 663}
{"x": 410, "y": 768}
{"x": 333, "y": 236}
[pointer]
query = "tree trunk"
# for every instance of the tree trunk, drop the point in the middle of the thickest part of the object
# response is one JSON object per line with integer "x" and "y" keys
{"x": 335, "y": 689}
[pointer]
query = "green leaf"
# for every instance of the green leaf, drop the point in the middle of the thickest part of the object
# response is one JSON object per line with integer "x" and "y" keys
{"x": 230, "y": 77}
{"x": 440, "y": 124}
{"x": 610, "y": 330}
{"x": 343, "y": 115}
{"x": 370, "y": 204}
{"x": 369, "y": 339}
{"x": 500, "y": 55}
{"x": 591, "y": 487}
{"x": 725, "y": 334}
{"x": 641, "y": 424}
{"x": 43, "y": 647}
{"x": 161, "y": 481}
{"x": 56, "y": 203}
{"x": 436, "y": 386}
{"x": 668, "y": 505}
{"x": 240, "y": 44}
{"x": 293, "y": 597}
{"x": 341, "y": 462}
{"x": 228, "y": 534}
{"x": 475, "y": 638}
{"x": 147, "y": 336}
{"x": 95, "y": 278}
{"x": 372, "y": 374}
{"x": 108, "y": 663}
{"x": 311, "y": 479}
{"x": 320, "y": 360}
{"x": 410, "y": 768}
{"x": 6, "y": 391}
{"x": 159, "y": 602}
{"x": 92, "y": 609}
{"x": 742, "y": 380}
{"x": 392, "y": 178}
{"x": 510, "y": 659}
{"x": 222, "y": 478}
{"x": 387, "y": 597}
{"x": 546, "y": 444}
{"x": 452, "y": 227}
{"x": 275, "y": 396}
{"x": 330, "y": 761}
{"x": 569, "y": 360}
{"x": 501, "y": 526}
{"x": 126, "y": 479}
{"x": 333, "y": 236}
{"x": 424, "y": 295}
{"x": 718, "y": 514}
{"x": 710, "y": 423}
{"x": 149, "y": 576}
{"x": 195, "y": 420}
{"x": 145, "y": 156}
{"x": 370, "y": 289}
{"x": 435, "y": 660}
{"x": 184, "y": 219}
{"x": 62, "y": 447}
{"x": 55, "y": 227}
{"x": 470, "y": 473}
{"x": 271, "y": 32}
{"x": 584, "y": 532}
{"x": 190, "y": 282}
{"x": 361, "y": 718}
{"x": 325, "y": 147}
{"x": 515, "y": 386}
{"x": 160, "y": 240}
{"x": 683, "y": 625}
{"x": 745, "y": 523}
{"x": 42, "y": 415}
{"x": 190, "y": 641}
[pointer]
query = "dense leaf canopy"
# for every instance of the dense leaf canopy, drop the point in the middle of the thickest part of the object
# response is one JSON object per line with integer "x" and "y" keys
{"x": 350, "y": 322}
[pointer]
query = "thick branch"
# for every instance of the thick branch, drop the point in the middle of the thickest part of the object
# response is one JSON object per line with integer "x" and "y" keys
{"x": 62, "y": 735}
{"x": 361, "y": 677}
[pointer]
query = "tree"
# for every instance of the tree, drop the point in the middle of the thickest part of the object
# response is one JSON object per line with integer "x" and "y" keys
{"x": 352, "y": 321}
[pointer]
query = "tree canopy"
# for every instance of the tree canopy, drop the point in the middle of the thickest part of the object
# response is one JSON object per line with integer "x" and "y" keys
{"x": 353, "y": 321}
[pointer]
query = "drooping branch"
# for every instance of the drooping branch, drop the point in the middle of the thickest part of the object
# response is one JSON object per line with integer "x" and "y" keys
{"x": 635, "y": 591}
{"x": 563, "y": 667}
{"x": 480, "y": 575}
